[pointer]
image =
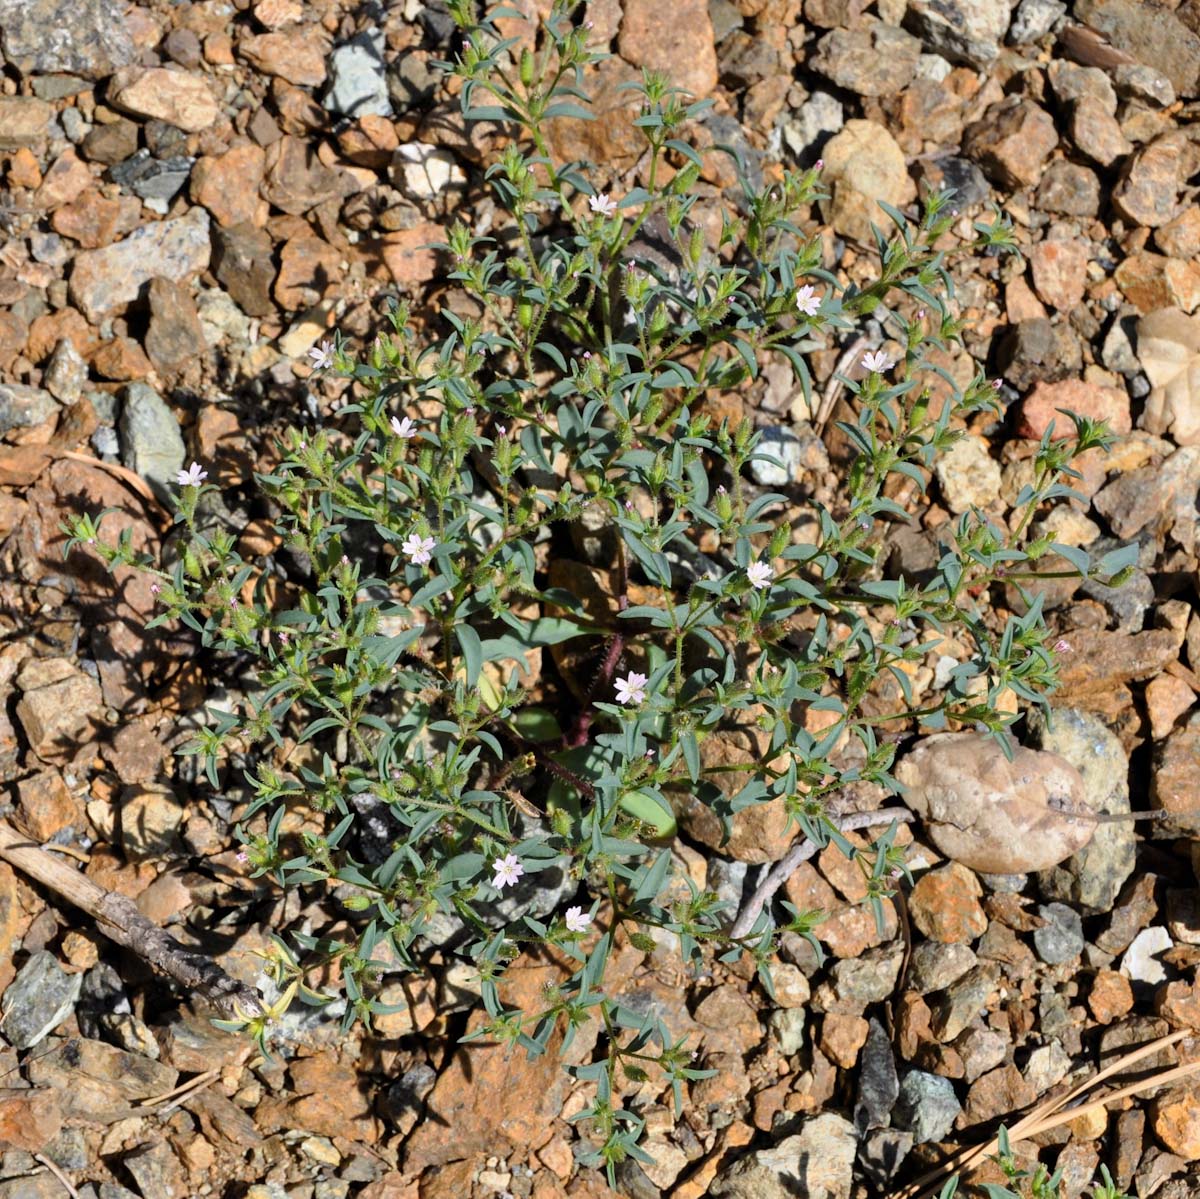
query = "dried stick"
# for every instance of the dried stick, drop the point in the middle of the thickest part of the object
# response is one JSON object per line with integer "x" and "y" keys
{"x": 801, "y": 852}
{"x": 119, "y": 920}
{"x": 1049, "y": 1113}
{"x": 52, "y": 1166}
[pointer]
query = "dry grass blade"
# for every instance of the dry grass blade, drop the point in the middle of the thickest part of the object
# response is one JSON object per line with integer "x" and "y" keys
{"x": 1049, "y": 1114}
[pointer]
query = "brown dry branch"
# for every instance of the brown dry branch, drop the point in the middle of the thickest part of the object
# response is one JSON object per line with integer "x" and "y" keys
{"x": 1051, "y": 1114}
{"x": 118, "y": 919}
{"x": 801, "y": 851}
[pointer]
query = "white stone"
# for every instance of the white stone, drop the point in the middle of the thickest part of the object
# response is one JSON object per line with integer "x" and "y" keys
{"x": 1141, "y": 962}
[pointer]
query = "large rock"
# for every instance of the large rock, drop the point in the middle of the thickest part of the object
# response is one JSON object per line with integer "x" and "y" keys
{"x": 59, "y": 709}
{"x": 969, "y": 31}
{"x": 77, "y": 37}
{"x": 991, "y": 813}
{"x": 872, "y": 59}
{"x": 112, "y": 276}
{"x": 1151, "y": 34}
{"x": 22, "y": 406}
{"x": 24, "y": 121}
{"x": 357, "y": 81}
{"x": 863, "y": 165}
{"x": 675, "y": 38}
{"x": 151, "y": 443}
{"x": 817, "y": 1162}
{"x": 1011, "y": 142}
{"x": 177, "y": 97}
{"x": 38, "y": 1000}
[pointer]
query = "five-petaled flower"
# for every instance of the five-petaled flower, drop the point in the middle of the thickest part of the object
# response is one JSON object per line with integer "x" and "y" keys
{"x": 321, "y": 356}
{"x": 807, "y": 300}
{"x": 631, "y": 689}
{"x": 192, "y": 477}
{"x": 508, "y": 869}
{"x": 1062, "y": 646}
{"x": 419, "y": 549}
{"x": 603, "y": 204}
{"x": 760, "y": 575}
{"x": 877, "y": 362}
{"x": 577, "y": 920}
{"x": 403, "y": 428}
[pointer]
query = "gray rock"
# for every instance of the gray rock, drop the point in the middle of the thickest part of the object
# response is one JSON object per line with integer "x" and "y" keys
{"x": 1034, "y": 19}
{"x": 1047, "y": 1065}
{"x": 358, "y": 86}
{"x": 981, "y": 1049}
{"x": 411, "y": 81}
{"x": 817, "y": 1162}
{"x": 152, "y": 178}
{"x": 1141, "y": 962}
{"x": 113, "y": 275}
{"x": 1128, "y": 603}
{"x": 38, "y": 1000}
{"x": 784, "y": 445}
{"x": 79, "y": 37}
{"x": 725, "y": 19}
{"x": 1072, "y": 82}
{"x": 869, "y": 978}
{"x": 963, "y": 1001}
{"x": 872, "y": 59}
{"x": 1060, "y": 939}
{"x": 1116, "y": 351}
{"x": 1094, "y": 876}
{"x": 65, "y": 373}
{"x": 935, "y": 966}
{"x": 1070, "y": 189}
{"x": 882, "y": 1153}
{"x": 151, "y": 444}
{"x": 788, "y": 1025}
{"x": 1151, "y": 34}
{"x": 105, "y": 442}
{"x": 927, "y": 1106}
{"x": 878, "y": 1082}
{"x": 969, "y": 31}
{"x": 1135, "y": 81}
{"x": 727, "y": 879}
{"x": 817, "y": 119}
{"x": 22, "y": 407}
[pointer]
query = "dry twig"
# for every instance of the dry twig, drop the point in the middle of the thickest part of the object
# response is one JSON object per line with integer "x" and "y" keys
{"x": 119, "y": 920}
{"x": 801, "y": 851}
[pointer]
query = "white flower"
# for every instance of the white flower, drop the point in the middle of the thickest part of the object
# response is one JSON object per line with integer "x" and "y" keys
{"x": 508, "y": 869}
{"x": 877, "y": 363}
{"x": 807, "y": 300}
{"x": 192, "y": 477}
{"x": 321, "y": 356}
{"x": 603, "y": 204}
{"x": 403, "y": 428}
{"x": 631, "y": 689}
{"x": 418, "y": 548}
{"x": 760, "y": 575}
{"x": 577, "y": 920}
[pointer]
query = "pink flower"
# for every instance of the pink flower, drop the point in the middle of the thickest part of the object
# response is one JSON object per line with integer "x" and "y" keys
{"x": 508, "y": 869}
{"x": 192, "y": 477}
{"x": 807, "y": 300}
{"x": 155, "y": 589}
{"x": 1062, "y": 646}
{"x": 578, "y": 920}
{"x": 631, "y": 689}
{"x": 242, "y": 856}
{"x": 321, "y": 356}
{"x": 602, "y": 204}
{"x": 877, "y": 362}
{"x": 418, "y": 548}
{"x": 760, "y": 575}
{"x": 403, "y": 428}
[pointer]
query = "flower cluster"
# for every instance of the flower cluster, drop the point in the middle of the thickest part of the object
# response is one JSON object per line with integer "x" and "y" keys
{"x": 518, "y": 615}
